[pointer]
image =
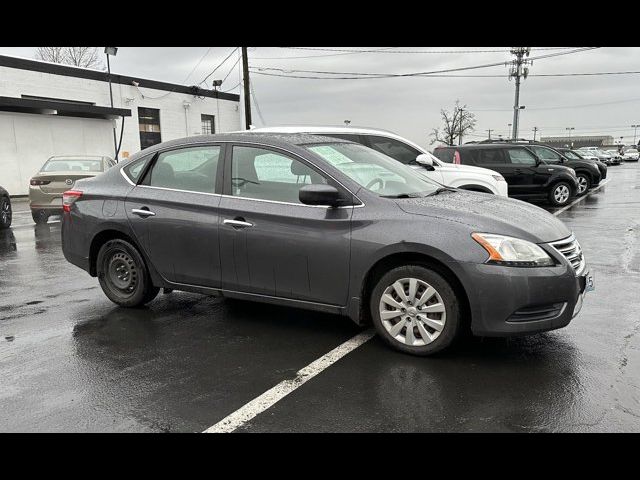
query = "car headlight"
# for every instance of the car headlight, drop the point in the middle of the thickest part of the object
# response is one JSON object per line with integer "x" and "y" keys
{"x": 498, "y": 178}
{"x": 510, "y": 251}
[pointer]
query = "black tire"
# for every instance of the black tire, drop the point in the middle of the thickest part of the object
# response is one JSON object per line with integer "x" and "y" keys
{"x": 40, "y": 216}
{"x": 552, "y": 194}
{"x": 5, "y": 213}
{"x": 588, "y": 181}
{"x": 123, "y": 275}
{"x": 452, "y": 323}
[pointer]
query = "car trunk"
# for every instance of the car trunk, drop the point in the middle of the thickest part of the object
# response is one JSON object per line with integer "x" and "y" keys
{"x": 61, "y": 182}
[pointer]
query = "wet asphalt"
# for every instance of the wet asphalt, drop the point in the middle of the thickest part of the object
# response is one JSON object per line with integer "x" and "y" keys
{"x": 70, "y": 360}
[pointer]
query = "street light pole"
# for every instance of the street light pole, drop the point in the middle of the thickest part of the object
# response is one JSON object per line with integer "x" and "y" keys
{"x": 535, "y": 130}
{"x": 569, "y": 129}
{"x": 635, "y": 129}
{"x": 112, "y": 51}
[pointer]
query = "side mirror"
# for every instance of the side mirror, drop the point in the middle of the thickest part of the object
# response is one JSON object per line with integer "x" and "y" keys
{"x": 426, "y": 161}
{"x": 321, "y": 195}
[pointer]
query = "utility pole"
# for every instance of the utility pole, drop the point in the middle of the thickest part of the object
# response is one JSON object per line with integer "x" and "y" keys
{"x": 460, "y": 127}
{"x": 247, "y": 91}
{"x": 490, "y": 130}
{"x": 518, "y": 70}
{"x": 635, "y": 129}
{"x": 535, "y": 130}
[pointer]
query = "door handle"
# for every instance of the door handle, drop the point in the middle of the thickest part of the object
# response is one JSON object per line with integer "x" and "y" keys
{"x": 143, "y": 212}
{"x": 240, "y": 223}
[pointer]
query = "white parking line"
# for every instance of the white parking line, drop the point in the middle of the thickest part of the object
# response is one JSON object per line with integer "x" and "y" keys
{"x": 269, "y": 398}
{"x": 258, "y": 405}
{"x": 578, "y": 200}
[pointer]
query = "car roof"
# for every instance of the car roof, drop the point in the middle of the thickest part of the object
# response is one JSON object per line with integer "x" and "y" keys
{"x": 282, "y": 140}
{"x": 322, "y": 129}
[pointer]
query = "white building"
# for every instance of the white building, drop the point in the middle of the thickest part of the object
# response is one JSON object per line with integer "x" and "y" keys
{"x": 49, "y": 109}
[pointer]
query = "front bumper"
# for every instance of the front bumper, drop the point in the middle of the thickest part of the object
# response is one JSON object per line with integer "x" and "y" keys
{"x": 503, "y": 189}
{"x": 510, "y": 301}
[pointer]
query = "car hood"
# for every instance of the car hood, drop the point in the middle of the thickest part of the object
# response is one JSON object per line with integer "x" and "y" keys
{"x": 489, "y": 214}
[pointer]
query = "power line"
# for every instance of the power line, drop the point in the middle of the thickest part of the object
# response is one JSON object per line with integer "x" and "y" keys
{"x": 388, "y": 50}
{"x": 367, "y": 75}
{"x": 219, "y": 65}
{"x": 231, "y": 69}
{"x": 197, "y": 65}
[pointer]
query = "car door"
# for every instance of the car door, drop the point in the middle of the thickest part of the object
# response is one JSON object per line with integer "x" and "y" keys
{"x": 403, "y": 153}
{"x": 523, "y": 177}
{"x": 270, "y": 243}
{"x": 174, "y": 214}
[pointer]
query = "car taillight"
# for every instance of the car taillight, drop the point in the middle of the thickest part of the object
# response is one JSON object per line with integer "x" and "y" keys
{"x": 36, "y": 183}
{"x": 68, "y": 198}
{"x": 456, "y": 157}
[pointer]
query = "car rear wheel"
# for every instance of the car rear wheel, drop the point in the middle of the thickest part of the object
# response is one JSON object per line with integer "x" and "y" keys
{"x": 415, "y": 310}
{"x": 5, "y": 212}
{"x": 560, "y": 194}
{"x": 123, "y": 275}
{"x": 584, "y": 183}
{"x": 39, "y": 216}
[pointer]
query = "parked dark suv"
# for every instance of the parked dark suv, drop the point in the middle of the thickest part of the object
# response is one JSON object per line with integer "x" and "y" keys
{"x": 570, "y": 155}
{"x": 5, "y": 209}
{"x": 527, "y": 175}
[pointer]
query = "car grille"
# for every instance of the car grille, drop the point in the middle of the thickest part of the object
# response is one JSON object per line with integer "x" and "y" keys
{"x": 571, "y": 250}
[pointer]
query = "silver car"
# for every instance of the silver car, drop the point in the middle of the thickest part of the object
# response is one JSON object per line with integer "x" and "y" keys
{"x": 58, "y": 175}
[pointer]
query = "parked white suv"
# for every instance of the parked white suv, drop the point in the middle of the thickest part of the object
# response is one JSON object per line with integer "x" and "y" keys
{"x": 460, "y": 176}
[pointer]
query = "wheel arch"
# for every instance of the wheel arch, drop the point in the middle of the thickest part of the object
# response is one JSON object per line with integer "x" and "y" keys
{"x": 393, "y": 260}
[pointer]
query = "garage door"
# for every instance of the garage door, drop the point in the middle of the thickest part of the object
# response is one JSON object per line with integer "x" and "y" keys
{"x": 28, "y": 140}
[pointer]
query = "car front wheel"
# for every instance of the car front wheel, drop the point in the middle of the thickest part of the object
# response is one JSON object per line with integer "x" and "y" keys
{"x": 584, "y": 183}
{"x": 123, "y": 275}
{"x": 415, "y": 310}
{"x": 560, "y": 194}
{"x": 5, "y": 212}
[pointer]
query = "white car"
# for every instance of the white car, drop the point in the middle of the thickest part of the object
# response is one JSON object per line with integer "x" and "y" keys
{"x": 460, "y": 176}
{"x": 631, "y": 155}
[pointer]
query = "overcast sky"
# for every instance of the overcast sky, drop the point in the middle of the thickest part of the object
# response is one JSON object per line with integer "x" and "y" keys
{"x": 411, "y": 106}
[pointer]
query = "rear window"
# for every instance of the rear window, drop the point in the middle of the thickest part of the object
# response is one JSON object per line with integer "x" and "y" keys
{"x": 72, "y": 165}
{"x": 135, "y": 169}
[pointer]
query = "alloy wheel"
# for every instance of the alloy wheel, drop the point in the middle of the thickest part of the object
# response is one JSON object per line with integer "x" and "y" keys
{"x": 561, "y": 193}
{"x": 582, "y": 184}
{"x": 412, "y": 312}
{"x": 5, "y": 213}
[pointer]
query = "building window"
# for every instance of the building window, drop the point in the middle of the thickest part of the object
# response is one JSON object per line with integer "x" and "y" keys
{"x": 208, "y": 124}
{"x": 149, "y": 126}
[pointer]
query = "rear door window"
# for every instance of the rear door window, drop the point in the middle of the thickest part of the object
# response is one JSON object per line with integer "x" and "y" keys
{"x": 489, "y": 156}
{"x": 520, "y": 156}
{"x": 192, "y": 169}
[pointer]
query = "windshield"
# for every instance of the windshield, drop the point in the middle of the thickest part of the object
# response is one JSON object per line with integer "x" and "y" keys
{"x": 375, "y": 171}
{"x": 631, "y": 150}
{"x": 572, "y": 155}
{"x": 72, "y": 165}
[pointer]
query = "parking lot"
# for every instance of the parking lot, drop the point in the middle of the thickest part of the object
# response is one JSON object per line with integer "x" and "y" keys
{"x": 72, "y": 361}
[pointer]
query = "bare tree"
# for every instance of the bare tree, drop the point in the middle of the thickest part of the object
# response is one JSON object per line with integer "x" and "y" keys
{"x": 454, "y": 124}
{"x": 50, "y": 54}
{"x": 85, "y": 57}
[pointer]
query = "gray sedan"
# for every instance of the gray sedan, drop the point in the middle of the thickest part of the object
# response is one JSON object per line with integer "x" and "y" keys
{"x": 324, "y": 224}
